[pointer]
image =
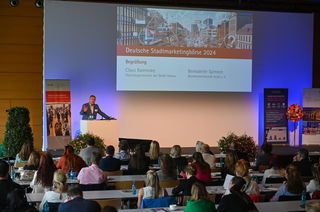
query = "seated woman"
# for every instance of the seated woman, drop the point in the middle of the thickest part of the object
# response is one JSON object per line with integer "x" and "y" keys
{"x": 229, "y": 164}
{"x": 294, "y": 185}
{"x": 33, "y": 161}
{"x": 202, "y": 168}
{"x": 152, "y": 189}
{"x": 274, "y": 170}
{"x": 59, "y": 194}
{"x": 207, "y": 156}
{"x": 70, "y": 161}
{"x": 199, "y": 200}
{"x": 264, "y": 156}
{"x": 43, "y": 178}
{"x": 168, "y": 170}
{"x": 314, "y": 184}
{"x": 123, "y": 153}
{"x": 154, "y": 152}
{"x": 139, "y": 163}
{"x": 237, "y": 200}
{"x": 23, "y": 155}
{"x": 185, "y": 187}
{"x": 242, "y": 170}
{"x": 181, "y": 162}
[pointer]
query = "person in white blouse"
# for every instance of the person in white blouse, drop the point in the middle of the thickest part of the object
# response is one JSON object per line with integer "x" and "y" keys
{"x": 314, "y": 183}
{"x": 274, "y": 171}
{"x": 207, "y": 157}
{"x": 59, "y": 194}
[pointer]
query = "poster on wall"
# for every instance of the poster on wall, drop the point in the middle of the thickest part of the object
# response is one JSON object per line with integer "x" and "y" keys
{"x": 275, "y": 121}
{"x": 58, "y": 112}
{"x": 311, "y": 119}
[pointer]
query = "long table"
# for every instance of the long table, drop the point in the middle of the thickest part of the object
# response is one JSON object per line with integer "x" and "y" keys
{"x": 261, "y": 206}
{"x": 121, "y": 194}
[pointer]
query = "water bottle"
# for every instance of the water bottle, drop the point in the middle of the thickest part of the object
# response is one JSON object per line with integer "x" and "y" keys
{"x": 71, "y": 174}
{"x": 134, "y": 189}
{"x": 303, "y": 199}
{"x": 12, "y": 173}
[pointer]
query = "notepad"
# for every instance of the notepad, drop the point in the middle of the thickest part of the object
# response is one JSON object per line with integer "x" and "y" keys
{"x": 227, "y": 181}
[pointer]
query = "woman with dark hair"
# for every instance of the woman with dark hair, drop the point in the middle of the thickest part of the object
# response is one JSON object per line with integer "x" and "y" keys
{"x": 275, "y": 169}
{"x": 70, "y": 161}
{"x": 237, "y": 200}
{"x": 264, "y": 156}
{"x": 139, "y": 163}
{"x": 168, "y": 169}
{"x": 294, "y": 185}
{"x": 24, "y": 153}
{"x": 202, "y": 168}
{"x": 43, "y": 178}
{"x": 17, "y": 202}
{"x": 123, "y": 153}
{"x": 199, "y": 200}
{"x": 229, "y": 164}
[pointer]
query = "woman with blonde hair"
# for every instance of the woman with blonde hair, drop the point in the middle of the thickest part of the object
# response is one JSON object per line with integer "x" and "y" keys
{"x": 294, "y": 185}
{"x": 154, "y": 152}
{"x": 24, "y": 153}
{"x": 59, "y": 194}
{"x": 242, "y": 170}
{"x": 229, "y": 164}
{"x": 152, "y": 189}
{"x": 181, "y": 162}
{"x": 199, "y": 200}
{"x": 33, "y": 161}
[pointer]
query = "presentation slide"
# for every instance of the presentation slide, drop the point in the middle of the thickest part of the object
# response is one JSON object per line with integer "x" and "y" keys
{"x": 183, "y": 50}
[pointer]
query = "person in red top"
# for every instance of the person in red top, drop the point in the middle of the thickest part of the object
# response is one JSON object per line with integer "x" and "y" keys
{"x": 69, "y": 161}
{"x": 202, "y": 168}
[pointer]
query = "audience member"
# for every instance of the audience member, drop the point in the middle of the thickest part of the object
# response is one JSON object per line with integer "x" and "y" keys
{"x": 109, "y": 208}
{"x": 229, "y": 164}
{"x": 313, "y": 207}
{"x": 242, "y": 170}
{"x": 294, "y": 185}
{"x": 152, "y": 189}
{"x": 70, "y": 161}
{"x": 76, "y": 203}
{"x": 168, "y": 170}
{"x": 180, "y": 161}
{"x": 109, "y": 163}
{"x": 92, "y": 174}
{"x": 199, "y": 200}
{"x": 123, "y": 153}
{"x": 264, "y": 157}
{"x": 301, "y": 160}
{"x": 23, "y": 155}
{"x": 33, "y": 161}
{"x": 185, "y": 186}
{"x": 139, "y": 163}
{"x": 199, "y": 146}
{"x": 17, "y": 202}
{"x": 154, "y": 152}
{"x": 43, "y": 178}
{"x": 207, "y": 156}
{"x": 237, "y": 200}
{"x": 86, "y": 153}
{"x": 314, "y": 184}
{"x": 202, "y": 168}
{"x": 274, "y": 170}
{"x": 6, "y": 184}
{"x": 59, "y": 194}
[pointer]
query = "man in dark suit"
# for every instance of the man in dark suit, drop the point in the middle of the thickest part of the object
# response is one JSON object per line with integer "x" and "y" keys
{"x": 301, "y": 160}
{"x": 90, "y": 110}
{"x": 76, "y": 203}
{"x": 110, "y": 163}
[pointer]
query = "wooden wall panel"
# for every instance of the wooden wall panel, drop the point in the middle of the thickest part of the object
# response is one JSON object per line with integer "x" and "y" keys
{"x": 21, "y": 52}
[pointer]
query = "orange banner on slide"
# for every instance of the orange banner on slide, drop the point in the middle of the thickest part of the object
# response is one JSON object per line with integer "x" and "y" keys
{"x": 169, "y": 51}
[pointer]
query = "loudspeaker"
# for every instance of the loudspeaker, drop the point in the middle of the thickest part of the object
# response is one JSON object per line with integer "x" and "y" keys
{"x": 39, "y": 3}
{"x": 14, "y": 3}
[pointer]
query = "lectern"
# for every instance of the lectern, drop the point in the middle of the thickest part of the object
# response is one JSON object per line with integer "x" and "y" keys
{"x": 106, "y": 129}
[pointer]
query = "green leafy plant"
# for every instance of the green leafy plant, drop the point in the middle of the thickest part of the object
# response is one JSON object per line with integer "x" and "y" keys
{"x": 80, "y": 143}
{"x": 18, "y": 130}
{"x": 243, "y": 143}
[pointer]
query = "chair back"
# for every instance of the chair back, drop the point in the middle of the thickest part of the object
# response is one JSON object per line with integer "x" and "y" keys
{"x": 20, "y": 164}
{"x": 262, "y": 168}
{"x": 169, "y": 184}
{"x": 292, "y": 198}
{"x": 109, "y": 202}
{"x": 157, "y": 203}
{"x": 120, "y": 185}
{"x": 113, "y": 173}
{"x": 51, "y": 206}
{"x": 270, "y": 180}
{"x": 92, "y": 187}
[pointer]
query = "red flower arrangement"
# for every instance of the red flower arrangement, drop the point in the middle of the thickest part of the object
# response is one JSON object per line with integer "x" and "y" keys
{"x": 294, "y": 113}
